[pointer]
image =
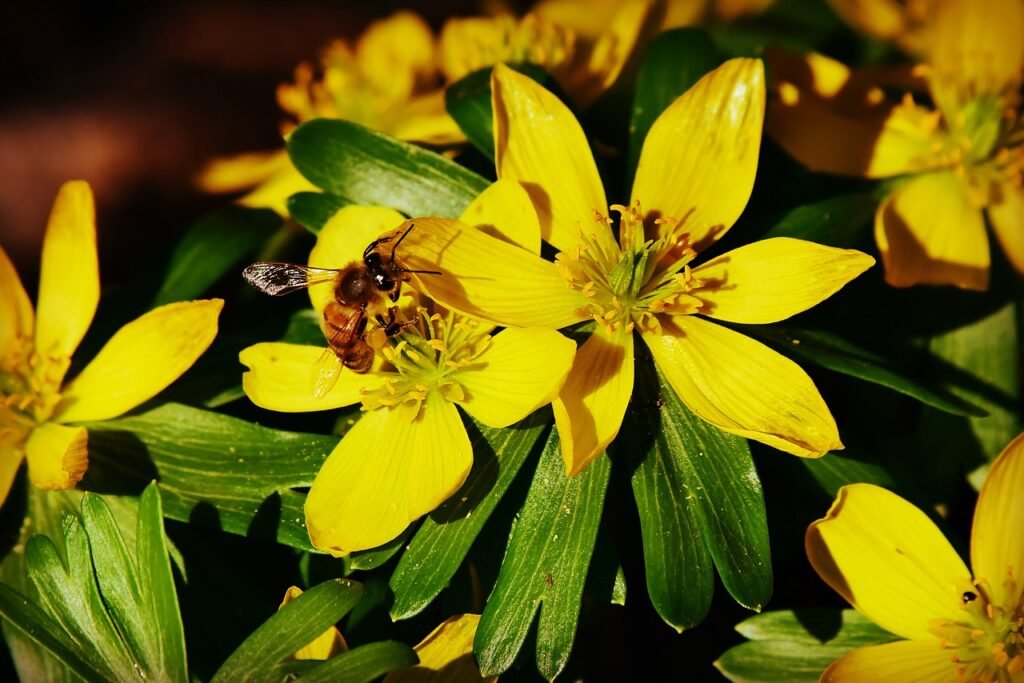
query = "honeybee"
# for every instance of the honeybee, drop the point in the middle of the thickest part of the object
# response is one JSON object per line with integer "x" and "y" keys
{"x": 362, "y": 290}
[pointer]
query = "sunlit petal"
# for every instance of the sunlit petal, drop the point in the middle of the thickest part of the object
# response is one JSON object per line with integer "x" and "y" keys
{"x": 16, "y": 316}
{"x": 242, "y": 171}
{"x": 590, "y": 408}
{"x": 273, "y": 193}
{"x": 397, "y": 53}
{"x": 504, "y": 210}
{"x": 832, "y": 119}
{"x": 770, "y": 280}
{"x": 520, "y": 371}
{"x": 342, "y": 241}
{"x": 920, "y": 661}
{"x": 1007, "y": 219}
{"x": 743, "y": 387}
{"x": 997, "y": 544}
{"x": 888, "y": 560}
{"x": 699, "y": 159}
{"x": 929, "y": 233}
{"x": 425, "y": 120}
{"x": 539, "y": 143}
{"x": 386, "y": 473}
{"x": 281, "y": 377}
{"x": 57, "y": 455}
{"x": 140, "y": 360}
{"x": 446, "y": 655}
{"x": 69, "y": 282}
{"x": 488, "y": 278}
{"x": 10, "y": 461}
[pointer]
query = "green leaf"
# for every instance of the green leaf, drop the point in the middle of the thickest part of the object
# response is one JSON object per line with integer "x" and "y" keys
{"x": 212, "y": 469}
{"x": 363, "y": 664}
{"x": 546, "y": 562}
{"x": 700, "y": 501}
{"x": 797, "y": 645}
{"x": 842, "y": 221}
{"x": 349, "y": 160}
{"x": 34, "y": 624}
{"x": 672, "y": 64}
{"x": 288, "y": 630}
{"x": 833, "y": 471}
{"x": 468, "y": 101}
{"x": 834, "y": 353}
{"x": 215, "y": 244}
{"x": 444, "y": 538}
{"x": 312, "y": 210}
{"x": 988, "y": 351}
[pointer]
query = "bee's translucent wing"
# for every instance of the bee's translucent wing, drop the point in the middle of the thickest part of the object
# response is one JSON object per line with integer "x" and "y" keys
{"x": 278, "y": 278}
{"x": 326, "y": 372}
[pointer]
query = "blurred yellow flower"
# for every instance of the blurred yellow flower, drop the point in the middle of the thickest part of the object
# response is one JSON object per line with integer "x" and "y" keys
{"x": 409, "y": 451}
{"x": 38, "y": 409}
{"x": 695, "y": 175}
{"x": 388, "y": 80}
{"x": 964, "y": 156}
{"x": 446, "y": 655}
{"x": 893, "y": 564}
{"x": 899, "y": 21}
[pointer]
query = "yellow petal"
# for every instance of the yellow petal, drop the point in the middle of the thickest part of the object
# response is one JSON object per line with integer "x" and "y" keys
{"x": 929, "y": 233}
{"x": 425, "y": 120}
{"x": 834, "y": 120}
{"x": 770, "y": 280}
{"x": 69, "y": 282}
{"x": 386, "y": 473}
{"x": 273, "y": 193}
{"x": 978, "y": 45}
{"x": 397, "y": 54}
{"x": 885, "y": 19}
{"x": 16, "y": 316}
{"x": 888, "y": 560}
{"x": 342, "y": 241}
{"x": 325, "y": 645}
{"x": 997, "y": 544}
{"x": 281, "y": 377}
{"x": 601, "y": 57}
{"x": 743, "y": 387}
{"x": 520, "y": 371}
{"x": 539, "y": 143}
{"x": 242, "y": 171}
{"x": 1007, "y": 219}
{"x": 57, "y": 455}
{"x": 920, "y": 661}
{"x": 504, "y": 210}
{"x": 699, "y": 159}
{"x": 446, "y": 655}
{"x": 487, "y": 278}
{"x": 10, "y": 462}
{"x": 140, "y": 360}
{"x": 590, "y": 408}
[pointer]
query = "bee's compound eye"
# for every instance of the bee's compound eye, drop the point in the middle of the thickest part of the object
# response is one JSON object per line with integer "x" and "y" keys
{"x": 372, "y": 260}
{"x": 969, "y": 597}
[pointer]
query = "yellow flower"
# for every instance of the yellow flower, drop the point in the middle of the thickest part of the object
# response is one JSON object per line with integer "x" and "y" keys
{"x": 893, "y": 564}
{"x": 409, "y": 451}
{"x": 583, "y": 45}
{"x": 901, "y": 22}
{"x": 446, "y": 655}
{"x": 964, "y": 157}
{"x": 695, "y": 176}
{"x": 387, "y": 81}
{"x": 325, "y": 645}
{"x": 38, "y": 409}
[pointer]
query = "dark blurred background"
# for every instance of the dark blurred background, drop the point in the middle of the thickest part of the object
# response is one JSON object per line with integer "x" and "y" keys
{"x": 135, "y": 96}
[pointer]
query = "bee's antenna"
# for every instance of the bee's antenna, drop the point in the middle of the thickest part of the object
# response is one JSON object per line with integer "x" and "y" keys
{"x": 399, "y": 241}
{"x": 423, "y": 272}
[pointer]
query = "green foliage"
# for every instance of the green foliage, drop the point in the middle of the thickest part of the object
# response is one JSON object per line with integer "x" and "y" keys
{"x": 366, "y": 167}
{"x": 545, "y": 566}
{"x": 796, "y": 645}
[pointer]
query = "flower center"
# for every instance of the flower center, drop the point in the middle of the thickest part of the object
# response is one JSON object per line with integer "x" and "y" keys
{"x": 428, "y": 355}
{"x": 632, "y": 285}
{"x": 29, "y": 390}
{"x": 988, "y": 641}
